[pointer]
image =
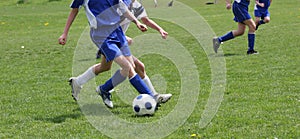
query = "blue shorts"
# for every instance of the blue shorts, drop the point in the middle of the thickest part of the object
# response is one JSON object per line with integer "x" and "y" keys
{"x": 240, "y": 12}
{"x": 261, "y": 14}
{"x": 113, "y": 46}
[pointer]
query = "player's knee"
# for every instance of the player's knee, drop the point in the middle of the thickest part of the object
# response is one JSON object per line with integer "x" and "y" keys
{"x": 267, "y": 20}
{"x": 252, "y": 28}
{"x": 140, "y": 66}
{"x": 239, "y": 33}
{"x": 126, "y": 70}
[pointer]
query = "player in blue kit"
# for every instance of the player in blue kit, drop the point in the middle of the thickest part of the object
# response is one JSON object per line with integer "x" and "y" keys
{"x": 104, "y": 17}
{"x": 261, "y": 12}
{"x": 140, "y": 13}
{"x": 106, "y": 33}
{"x": 241, "y": 15}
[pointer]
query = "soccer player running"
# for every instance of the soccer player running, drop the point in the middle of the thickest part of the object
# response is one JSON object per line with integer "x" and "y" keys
{"x": 241, "y": 15}
{"x": 104, "y": 18}
{"x": 140, "y": 13}
{"x": 261, "y": 12}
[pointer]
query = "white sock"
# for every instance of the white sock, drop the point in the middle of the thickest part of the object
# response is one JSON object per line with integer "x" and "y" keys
{"x": 86, "y": 76}
{"x": 149, "y": 84}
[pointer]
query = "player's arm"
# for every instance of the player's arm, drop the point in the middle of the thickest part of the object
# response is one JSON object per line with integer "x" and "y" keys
{"x": 228, "y": 4}
{"x": 259, "y": 4}
{"x": 155, "y": 26}
{"x": 131, "y": 17}
{"x": 63, "y": 38}
{"x": 124, "y": 11}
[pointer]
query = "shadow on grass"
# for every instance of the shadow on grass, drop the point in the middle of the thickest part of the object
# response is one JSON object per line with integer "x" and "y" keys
{"x": 230, "y": 54}
{"x": 225, "y": 55}
{"x": 60, "y": 118}
{"x": 96, "y": 109}
{"x": 101, "y": 110}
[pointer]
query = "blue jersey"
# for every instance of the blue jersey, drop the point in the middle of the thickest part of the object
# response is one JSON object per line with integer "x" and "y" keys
{"x": 243, "y": 2}
{"x": 104, "y": 17}
{"x": 127, "y": 2}
{"x": 266, "y": 5}
{"x": 101, "y": 12}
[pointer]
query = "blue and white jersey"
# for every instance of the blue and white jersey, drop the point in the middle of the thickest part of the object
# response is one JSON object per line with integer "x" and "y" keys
{"x": 266, "y": 5}
{"x": 243, "y": 2}
{"x": 104, "y": 17}
{"x": 127, "y": 2}
{"x": 102, "y": 12}
{"x": 136, "y": 9}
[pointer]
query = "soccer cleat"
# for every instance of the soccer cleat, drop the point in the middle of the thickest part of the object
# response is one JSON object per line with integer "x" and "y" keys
{"x": 162, "y": 98}
{"x": 75, "y": 88}
{"x": 250, "y": 52}
{"x": 170, "y": 4}
{"x": 106, "y": 97}
{"x": 216, "y": 44}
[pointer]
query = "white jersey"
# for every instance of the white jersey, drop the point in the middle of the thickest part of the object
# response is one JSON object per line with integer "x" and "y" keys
{"x": 137, "y": 10}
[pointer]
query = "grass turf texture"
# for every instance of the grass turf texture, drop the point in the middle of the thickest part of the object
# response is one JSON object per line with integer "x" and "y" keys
{"x": 262, "y": 98}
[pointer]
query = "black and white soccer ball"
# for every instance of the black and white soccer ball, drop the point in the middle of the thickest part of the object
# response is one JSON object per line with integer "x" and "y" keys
{"x": 144, "y": 104}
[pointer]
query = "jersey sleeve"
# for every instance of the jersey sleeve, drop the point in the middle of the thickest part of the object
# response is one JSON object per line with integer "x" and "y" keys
{"x": 76, "y": 3}
{"x": 121, "y": 8}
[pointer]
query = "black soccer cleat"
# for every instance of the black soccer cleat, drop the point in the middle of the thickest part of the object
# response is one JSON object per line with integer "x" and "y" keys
{"x": 250, "y": 52}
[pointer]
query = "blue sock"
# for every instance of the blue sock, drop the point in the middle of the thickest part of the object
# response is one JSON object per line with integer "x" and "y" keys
{"x": 140, "y": 85}
{"x": 251, "y": 40}
{"x": 116, "y": 79}
{"x": 226, "y": 37}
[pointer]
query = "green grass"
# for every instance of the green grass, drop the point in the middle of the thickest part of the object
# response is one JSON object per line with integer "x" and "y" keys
{"x": 262, "y": 97}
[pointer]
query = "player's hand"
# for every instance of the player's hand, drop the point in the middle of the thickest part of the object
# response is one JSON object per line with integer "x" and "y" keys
{"x": 163, "y": 34}
{"x": 62, "y": 39}
{"x": 129, "y": 40}
{"x": 142, "y": 27}
{"x": 228, "y": 6}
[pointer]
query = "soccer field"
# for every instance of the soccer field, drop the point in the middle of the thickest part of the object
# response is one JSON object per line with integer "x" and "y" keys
{"x": 225, "y": 95}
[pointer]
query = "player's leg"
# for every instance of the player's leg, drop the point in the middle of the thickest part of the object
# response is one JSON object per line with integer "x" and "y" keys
{"x": 251, "y": 36}
{"x": 155, "y": 3}
{"x": 102, "y": 66}
{"x": 258, "y": 16}
{"x": 117, "y": 78}
{"x": 135, "y": 80}
{"x": 77, "y": 82}
{"x": 228, "y": 36}
{"x": 114, "y": 53}
{"x": 257, "y": 19}
{"x": 140, "y": 69}
{"x": 240, "y": 14}
{"x": 127, "y": 70}
{"x": 240, "y": 30}
{"x": 232, "y": 34}
{"x": 267, "y": 19}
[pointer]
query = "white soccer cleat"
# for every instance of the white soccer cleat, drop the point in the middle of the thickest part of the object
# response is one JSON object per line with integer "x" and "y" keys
{"x": 216, "y": 44}
{"x": 75, "y": 88}
{"x": 162, "y": 98}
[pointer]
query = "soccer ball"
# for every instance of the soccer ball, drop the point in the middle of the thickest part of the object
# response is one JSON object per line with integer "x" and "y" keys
{"x": 144, "y": 104}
